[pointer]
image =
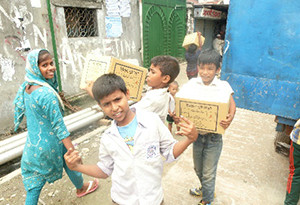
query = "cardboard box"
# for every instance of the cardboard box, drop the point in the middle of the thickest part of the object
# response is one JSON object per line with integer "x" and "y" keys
{"x": 205, "y": 115}
{"x": 192, "y": 39}
{"x": 94, "y": 67}
{"x": 133, "y": 75}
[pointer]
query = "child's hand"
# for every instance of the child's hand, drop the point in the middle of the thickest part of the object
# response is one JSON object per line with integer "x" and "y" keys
{"x": 176, "y": 119}
{"x": 172, "y": 114}
{"x": 200, "y": 40}
{"x": 72, "y": 159}
{"x": 88, "y": 88}
{"x": 225, "y": 123}
{"x": 188, "y": 129}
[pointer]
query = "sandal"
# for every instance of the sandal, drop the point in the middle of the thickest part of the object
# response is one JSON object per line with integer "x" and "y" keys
{"x": 89, "y": 189}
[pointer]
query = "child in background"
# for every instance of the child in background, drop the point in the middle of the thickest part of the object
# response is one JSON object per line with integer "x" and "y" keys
{"x": 130, "y": 150}
{"x": 162, "y": 72}
{"x": 293, "y": 184}
{"x": 207, "y": 148}
{"x": 173, "y": 89}
{"x": 191, "y": 56}
{"x": 48, "y": 138}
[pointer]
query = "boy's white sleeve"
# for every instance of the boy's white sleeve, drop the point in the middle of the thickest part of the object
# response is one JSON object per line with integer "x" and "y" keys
{"x": 146, "y": 103}
{"x": 106, "y": 162}
{"x": 167, "y": 141}
{"x": 228, "y": 88}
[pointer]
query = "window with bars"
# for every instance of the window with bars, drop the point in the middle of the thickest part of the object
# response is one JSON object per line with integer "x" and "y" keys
{"x": 81, "y": 22}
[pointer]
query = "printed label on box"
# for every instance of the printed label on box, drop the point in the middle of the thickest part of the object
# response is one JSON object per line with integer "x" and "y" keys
{"x": 133, "y": 75}
{"x": 94, "y": 67}
{"x": 205, "y": 115}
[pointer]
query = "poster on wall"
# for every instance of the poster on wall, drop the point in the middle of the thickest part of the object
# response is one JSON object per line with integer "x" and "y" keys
{"x": 112, "y": 8}
{"x": 118, "y": 8}
{"x": 125, "y": 8}
{"x": 113, "y": 26}
{"x": 35, "y": 3}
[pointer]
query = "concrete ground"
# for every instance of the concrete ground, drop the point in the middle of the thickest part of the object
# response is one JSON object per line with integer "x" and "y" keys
{"x": 249, "y": 171}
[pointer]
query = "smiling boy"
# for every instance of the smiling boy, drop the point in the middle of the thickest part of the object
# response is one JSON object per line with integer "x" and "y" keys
{"x": 131, "y": 149}
{"x": 207, "y": 148}
{"x": 162, "y": 72}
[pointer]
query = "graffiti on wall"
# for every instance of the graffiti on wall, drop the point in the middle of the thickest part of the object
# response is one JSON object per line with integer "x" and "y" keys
{"x": 7, "y": 68}
{"x": 17, "y": 44}
{"x": 118, "y": 47}
{"x": 20, "y": 18}
{"x": 70, "y": 57}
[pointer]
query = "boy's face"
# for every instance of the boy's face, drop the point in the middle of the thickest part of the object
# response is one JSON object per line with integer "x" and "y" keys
{"x": 173, "y": 88}
{"x": 155, "y": 79}
{"x": 115, "y": 106}
{"x": 207, "y": 72}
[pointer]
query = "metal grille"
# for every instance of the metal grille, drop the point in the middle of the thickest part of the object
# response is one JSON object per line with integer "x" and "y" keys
{"x": 81, "y": 22}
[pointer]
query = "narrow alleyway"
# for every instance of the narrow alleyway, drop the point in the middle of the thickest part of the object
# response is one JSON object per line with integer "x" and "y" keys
{"x": 250, "y": 172}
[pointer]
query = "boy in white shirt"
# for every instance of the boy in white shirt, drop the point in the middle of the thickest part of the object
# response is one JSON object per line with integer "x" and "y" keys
{"x": 130, "y": 150}
{"x": 208, "y": 146}
{"x": 162, "y": 72}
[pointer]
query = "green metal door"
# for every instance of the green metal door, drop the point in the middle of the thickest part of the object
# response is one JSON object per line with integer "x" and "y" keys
{"x": 164, "y": 25}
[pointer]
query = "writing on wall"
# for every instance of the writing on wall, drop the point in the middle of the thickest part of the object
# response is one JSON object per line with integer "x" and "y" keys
{"x": 7, "y": 68}
{"x": 16, "y": 42}
{"x": 22, "y": 34}
{"x": 76, "y": 60}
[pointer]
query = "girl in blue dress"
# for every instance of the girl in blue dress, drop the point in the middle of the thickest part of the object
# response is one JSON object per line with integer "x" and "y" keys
{"x": 48, "y": 138}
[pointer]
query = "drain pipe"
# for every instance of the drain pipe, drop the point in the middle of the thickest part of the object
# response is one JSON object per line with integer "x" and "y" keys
{"x": 68, "y": 120}
{"x": 14, "y": 150}
{"x": 20, "y": 139}
{"x": 13, "y": 147}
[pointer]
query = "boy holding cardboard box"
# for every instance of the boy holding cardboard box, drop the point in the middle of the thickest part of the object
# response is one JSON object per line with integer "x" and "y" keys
{"x": 207, "y": 148}
{"x": 162, "y": 72}
{"x": 193, "y": 44}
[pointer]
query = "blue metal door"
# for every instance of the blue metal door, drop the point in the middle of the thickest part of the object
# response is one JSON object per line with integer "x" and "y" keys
{"x": 262, "y": 59}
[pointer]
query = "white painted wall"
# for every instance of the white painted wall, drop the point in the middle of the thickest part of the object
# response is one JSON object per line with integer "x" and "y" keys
{"x": 23, "y": 27}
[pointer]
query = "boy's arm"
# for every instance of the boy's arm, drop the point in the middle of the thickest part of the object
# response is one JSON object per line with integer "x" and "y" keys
{"x": 200, "y": 40}
{"x": 89, "y": 87}
{"x": 74, "y": 162}
{"x": 189, "y": 130}
{"x": 232, "y": 108}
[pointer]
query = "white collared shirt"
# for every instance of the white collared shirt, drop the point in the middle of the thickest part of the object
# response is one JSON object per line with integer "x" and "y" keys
{"x": 136, "y": 176}
{"x": 171, "y": 103}
{"x": 155, "y": 100}
{"x": 217, "y": 91}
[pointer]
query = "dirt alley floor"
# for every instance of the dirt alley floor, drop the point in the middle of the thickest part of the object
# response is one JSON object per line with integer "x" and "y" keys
{"x": 250, "y": 172}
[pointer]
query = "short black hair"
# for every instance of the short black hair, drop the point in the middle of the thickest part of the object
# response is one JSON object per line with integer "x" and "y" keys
{"x": 192, "y": 48}
{"x": 168, "y": 65}
{"x": 209, "y": 56}
{"x": 107, "y": 84}
{"x": 174, "y": 83}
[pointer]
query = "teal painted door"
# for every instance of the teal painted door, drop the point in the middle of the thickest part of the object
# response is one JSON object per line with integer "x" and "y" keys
{"x": 164, "y": 25}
